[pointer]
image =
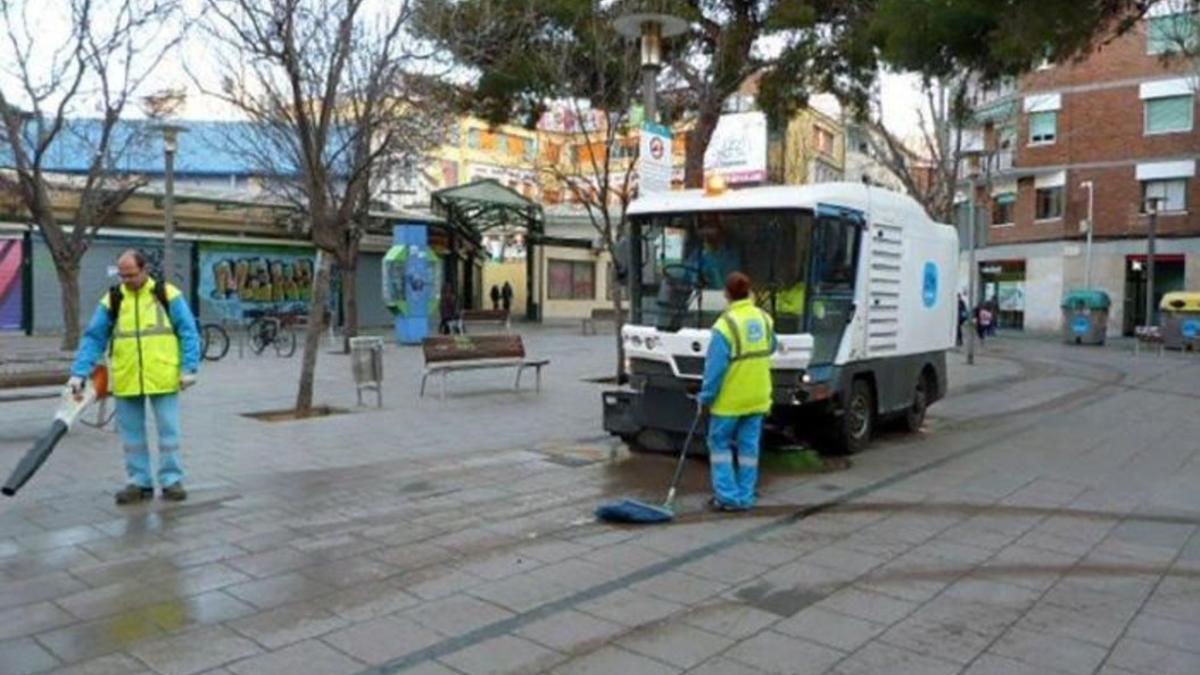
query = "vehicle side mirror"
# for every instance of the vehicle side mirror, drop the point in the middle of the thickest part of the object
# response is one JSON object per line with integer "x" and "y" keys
{"x": 621, "y": 258}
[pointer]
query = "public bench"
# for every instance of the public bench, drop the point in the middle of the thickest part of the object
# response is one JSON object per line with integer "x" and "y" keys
{"x": 448, "y": 354}
{"x": 490, "y": 317}
{"x": 1150, "y": 336}
{"x": 598, "y": 314}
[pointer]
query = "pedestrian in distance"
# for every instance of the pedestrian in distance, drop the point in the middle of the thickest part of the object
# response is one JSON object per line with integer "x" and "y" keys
{"x": 737, "y": 395}
{"x": 506, "y": 296}
{"x": 495, "y": 295}
{"x": 449, "y": 309}
{"x": 963, "y": 315}
{"x": 983, "y": 321}
{"x": 155, "y": 354}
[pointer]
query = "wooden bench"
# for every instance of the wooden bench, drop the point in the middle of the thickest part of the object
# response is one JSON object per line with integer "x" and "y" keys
{"x": 598, "y": 314}
{"x": 495, "y": 317}
{"x": 1149, "y": 336}
{"x": 444, "y": 355}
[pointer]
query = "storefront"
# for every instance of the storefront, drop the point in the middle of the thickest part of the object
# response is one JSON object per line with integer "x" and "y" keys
{"x": 1002, "y": 282}
{"x": 1168, "y": 277}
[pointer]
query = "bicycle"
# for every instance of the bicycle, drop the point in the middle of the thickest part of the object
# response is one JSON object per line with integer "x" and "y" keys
{"x": 214, "y": 342}
{"x": 268, "y": 330}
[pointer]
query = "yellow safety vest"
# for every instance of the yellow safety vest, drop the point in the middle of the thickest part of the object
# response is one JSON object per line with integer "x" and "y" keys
{"x": 145, "y": 350}
{"x": 746, "y": 389}
{"x": 790, "y": 301}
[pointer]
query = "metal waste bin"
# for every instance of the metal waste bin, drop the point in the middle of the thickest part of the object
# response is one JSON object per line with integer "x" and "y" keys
{"x": 366, "y": 358}
{"x": 1085, "y": 317}
{"x": 1181, "y": 320}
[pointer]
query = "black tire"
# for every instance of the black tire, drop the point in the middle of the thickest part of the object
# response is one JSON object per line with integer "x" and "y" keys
{"x": 285, "y": 342}
{"x": 852, "y": 429}
{"x": 214, "y": 342}
{"x": 262, "y": 333}
{"x": 914, "y": 417}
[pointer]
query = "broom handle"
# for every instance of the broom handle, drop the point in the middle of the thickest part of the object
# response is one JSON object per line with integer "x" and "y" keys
{"x": 687, "y": 443}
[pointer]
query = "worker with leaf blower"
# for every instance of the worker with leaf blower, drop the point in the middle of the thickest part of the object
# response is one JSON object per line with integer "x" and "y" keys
{"x": 737, "y": 394}
{"x": 155, "y": 350}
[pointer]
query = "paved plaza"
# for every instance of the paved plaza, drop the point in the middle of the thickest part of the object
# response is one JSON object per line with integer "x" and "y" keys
{"x": 1044, "y": 522}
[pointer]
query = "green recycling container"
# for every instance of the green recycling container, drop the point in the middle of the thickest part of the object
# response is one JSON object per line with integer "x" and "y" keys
{"x": 1181, "y": 320}
{"x": 1085, "y": 316}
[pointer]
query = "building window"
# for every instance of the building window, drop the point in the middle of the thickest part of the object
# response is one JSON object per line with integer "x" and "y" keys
{"x": 531, "y": 149}
{"x": 1171, "y": 33}
{"x": 1049, "y": 203}
{"x": 1171, "y": 193}
{"x": 1170, "y": 114}
{"x": 514, "y": 145}
{"x": 1043, "y": 127}
{"x": 571, "y": 280}
{"x": 474, "y": 139}
{"x": 1004, "y": 205}
{"x": 823, "y": 140}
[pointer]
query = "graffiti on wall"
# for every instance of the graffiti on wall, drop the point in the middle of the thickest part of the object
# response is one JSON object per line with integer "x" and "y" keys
{"x": 242, "y": 283}
{"x": 11, "y": 262}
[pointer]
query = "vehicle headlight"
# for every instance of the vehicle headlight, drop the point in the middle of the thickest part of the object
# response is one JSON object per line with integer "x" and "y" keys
{"x": 636, "y": 341}
{"x": 806, "y": 378}
{"x": 652, "y": 342}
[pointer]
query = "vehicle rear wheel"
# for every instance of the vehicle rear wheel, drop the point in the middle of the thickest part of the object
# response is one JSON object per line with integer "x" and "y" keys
{"x": 914, "y": 417}
{"x": 853, "y": 428}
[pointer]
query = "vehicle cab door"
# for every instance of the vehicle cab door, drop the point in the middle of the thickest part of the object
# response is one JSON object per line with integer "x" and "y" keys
{"x": 833, "y": 275}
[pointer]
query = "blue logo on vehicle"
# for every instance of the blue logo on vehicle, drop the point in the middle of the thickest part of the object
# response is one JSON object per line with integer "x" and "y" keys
{"x": 754, "y": 330}
{"x": 1191, "y": 328}
{"x": 929, "y": 287}
{"x": 1080, "y": 325}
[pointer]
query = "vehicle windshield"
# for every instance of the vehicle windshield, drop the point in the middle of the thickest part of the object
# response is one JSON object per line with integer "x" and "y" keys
{"x": 801, "y": 268}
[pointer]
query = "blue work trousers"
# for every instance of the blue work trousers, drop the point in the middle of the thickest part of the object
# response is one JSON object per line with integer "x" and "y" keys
{"x": 131, "y": 423}
{"x": 734, "y": 479}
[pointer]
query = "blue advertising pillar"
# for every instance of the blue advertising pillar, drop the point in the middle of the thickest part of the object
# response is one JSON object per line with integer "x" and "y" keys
{"x": 411, "y": 282}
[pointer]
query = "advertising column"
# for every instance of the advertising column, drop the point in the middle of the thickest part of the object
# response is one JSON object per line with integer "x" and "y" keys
{"x": 412, "y": 280}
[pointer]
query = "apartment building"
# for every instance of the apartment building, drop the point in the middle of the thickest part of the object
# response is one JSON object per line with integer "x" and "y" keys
{"x": 1086, "y": 144}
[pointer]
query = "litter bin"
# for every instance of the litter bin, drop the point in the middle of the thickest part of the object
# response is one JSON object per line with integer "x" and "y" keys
{"x": 366, "y": 358}
{"x": 1181, "y": 320}
{"x": 1085, "y": 317}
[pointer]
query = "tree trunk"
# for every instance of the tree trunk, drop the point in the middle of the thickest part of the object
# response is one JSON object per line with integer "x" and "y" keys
{"x": 68, "y": 281}
{"x": 312, "y": 336}
{"x": 697, "y": 143}
{"x": 349, "y": 303}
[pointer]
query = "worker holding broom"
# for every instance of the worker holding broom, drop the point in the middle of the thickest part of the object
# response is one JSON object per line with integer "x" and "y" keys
{"x": 737, "y": 395}
{"x": 155, "y": 353}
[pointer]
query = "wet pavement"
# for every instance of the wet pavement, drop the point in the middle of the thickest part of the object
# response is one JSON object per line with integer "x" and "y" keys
{"x": 1045, "y": 521}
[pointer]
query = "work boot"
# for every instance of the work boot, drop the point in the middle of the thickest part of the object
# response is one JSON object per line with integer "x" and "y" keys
{"x": 132, "y": 494}
{"x": 174, "y": 493}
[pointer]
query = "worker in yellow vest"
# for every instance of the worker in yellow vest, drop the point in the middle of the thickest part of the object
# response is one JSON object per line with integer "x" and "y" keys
{"x": 737, "y": 394}
{"x": 155, "y": 353}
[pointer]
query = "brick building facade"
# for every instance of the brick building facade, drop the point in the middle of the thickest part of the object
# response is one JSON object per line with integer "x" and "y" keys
{"x": 1122, "y": 120}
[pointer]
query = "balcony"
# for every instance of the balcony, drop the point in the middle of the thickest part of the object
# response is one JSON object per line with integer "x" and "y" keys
{"x": 999, "y": 163}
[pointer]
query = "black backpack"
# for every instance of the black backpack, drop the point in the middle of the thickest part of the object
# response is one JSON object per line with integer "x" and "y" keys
{"x": 115, "y": 295}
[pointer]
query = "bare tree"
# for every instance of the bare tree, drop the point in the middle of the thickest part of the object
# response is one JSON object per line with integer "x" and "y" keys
{"x": 113, "y": 46}
{"x": 334, "y": 93}
{"x": 930, "y": 171}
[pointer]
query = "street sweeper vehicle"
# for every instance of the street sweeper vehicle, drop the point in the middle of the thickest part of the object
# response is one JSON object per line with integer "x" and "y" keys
{"x": 861, "y": 284}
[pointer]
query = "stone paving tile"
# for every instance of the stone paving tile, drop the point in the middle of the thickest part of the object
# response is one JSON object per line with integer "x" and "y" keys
{"x": 99, "y": 638}
{"x": 609, "y": 660}
{"x": 1176, "y": 634}
{"x": 629, "y": 609}
{"x": 194, "y": 651}
{"x": 200, "y": 579}
{"x": 731, "y": 619}
{"x": 878, "y": 658}
{"x": 1096, "y": 627}
{"x": 956, "y": 642}
{"x": 349, "y": 572}
{"x": 275, "y": 591}
{"x": 457, "y": 614}
{"x": 504, "y": 654}
{"x": 409, "y": 557}
{"x": 1152, "y": 659}
{"x": 37, "y": 589}
{"x": 114, "y": 664}
{"x": 1029, "y": 567}
{"x": 723, "y": 666}
{"x": 270, "y": 563}
{"x": 203, "y": 609}
{"x": 499, "y": 565}
{"x": 679, "y": 587}
{"x": 101, "y": 574}
{"x": 69, "y": 536}
{"x": 571, "y": 632}
{"x": 723, "y": 568}
{"x": 829, "y": 628}
{"x": 778, "y": 653}
{"x": 30, "y": 619}
{"x": 1052, "y": 651}
{"x": 310, "y": 657}
{"x": 843, "y": 559}
{"x": 991, "y": 664}
{"x": 382, "y": 639}
{"x": 521, "y": 593}
{"x": 368, "y": 601}
{"x": 675, "y": 643}
{"x": 867, "y": 604}
{"x": 94, "y": 603}
{"x": 23, "y": 656}
{"x": 438, "y": 582}
{"x": 284, "y": 625}
{"x": 988, "y": 592}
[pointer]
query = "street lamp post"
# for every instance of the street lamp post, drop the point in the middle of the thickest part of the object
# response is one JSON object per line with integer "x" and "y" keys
{"x": 983, "y": 157}
{"x": 1152, "y": 205}
{"x": 170, "y": 134}
{"x": 1091, "y": 225}
{"x": 650, "y": 27}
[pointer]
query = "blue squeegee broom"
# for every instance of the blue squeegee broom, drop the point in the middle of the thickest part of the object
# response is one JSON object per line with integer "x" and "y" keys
{"x": 636, "y": 511}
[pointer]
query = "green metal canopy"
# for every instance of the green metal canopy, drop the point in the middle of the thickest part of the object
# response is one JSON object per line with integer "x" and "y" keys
{"x": 484, "y": 205}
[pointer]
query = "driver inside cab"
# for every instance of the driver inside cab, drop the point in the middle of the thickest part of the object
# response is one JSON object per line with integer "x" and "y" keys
{"x": 715, "y": 258}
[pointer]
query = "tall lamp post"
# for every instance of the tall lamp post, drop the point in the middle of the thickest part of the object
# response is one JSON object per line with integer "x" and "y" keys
{"x": 170, "y": 134}
{"x": 981, "y": 157}
{"x": 1152, "y": 206}
{"x": 650, "y": 27}
{"x": 1091, "y": 225}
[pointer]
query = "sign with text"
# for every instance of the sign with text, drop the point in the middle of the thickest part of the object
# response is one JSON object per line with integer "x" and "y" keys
{"x": 738, "y": 149}
{"x": 654, "y": 159}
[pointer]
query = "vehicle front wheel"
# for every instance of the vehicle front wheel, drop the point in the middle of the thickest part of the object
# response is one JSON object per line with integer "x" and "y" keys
{"x": 914, "y": 417}
{"x": 853, "y": 428}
